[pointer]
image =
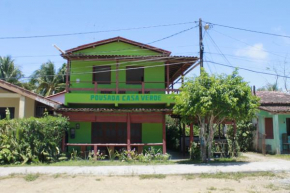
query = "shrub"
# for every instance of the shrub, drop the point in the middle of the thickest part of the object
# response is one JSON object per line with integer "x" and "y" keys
{"x": 32, "y": 139}
{"x": 194, "y": 152}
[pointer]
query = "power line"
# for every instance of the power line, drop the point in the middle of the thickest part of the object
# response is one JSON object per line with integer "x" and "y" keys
{"x": 246, "y": 69}
{"x": 249, "y": 30}
{"x": 180, "y": 32}
{"x": 218, "y": 49}
{"x": 247, "y": 43}
{"x": 93, "y": 32}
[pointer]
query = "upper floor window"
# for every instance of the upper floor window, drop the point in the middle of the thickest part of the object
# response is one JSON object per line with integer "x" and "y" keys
{"x": 102, "y": 74}
{"x": 134, "y": 74}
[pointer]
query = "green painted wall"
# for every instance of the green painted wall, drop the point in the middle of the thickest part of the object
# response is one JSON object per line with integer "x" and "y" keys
{"x": 82, "y": 135}
{"x": 117, "y": 48}
{"x": 279, "y": 126}
{"x": 82, "y": 70}
{"x": 152, "y": 133}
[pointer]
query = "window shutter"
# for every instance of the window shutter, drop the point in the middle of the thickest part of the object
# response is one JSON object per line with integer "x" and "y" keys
{"x": 269, "y": 128}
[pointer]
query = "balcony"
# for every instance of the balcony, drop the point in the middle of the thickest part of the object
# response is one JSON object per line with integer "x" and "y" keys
{"x": 110, "y": 87}
{"x": 101, "y": 92}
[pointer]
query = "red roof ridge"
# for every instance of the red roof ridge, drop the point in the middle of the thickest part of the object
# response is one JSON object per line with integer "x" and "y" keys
{"x": 118, "y": 38}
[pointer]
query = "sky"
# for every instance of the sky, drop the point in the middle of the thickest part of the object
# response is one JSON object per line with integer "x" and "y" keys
{"x": 222, "y": 45}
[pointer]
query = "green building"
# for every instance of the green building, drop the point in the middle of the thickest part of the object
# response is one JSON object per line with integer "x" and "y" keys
{"x": 118, "y": 92}
{"x": 273, "y": 123}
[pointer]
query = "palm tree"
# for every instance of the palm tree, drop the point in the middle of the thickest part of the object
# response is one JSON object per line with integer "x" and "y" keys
{"x": 9, "y": 71}
{"x": 47, "y": 80}
{"x": 270, "y": 87}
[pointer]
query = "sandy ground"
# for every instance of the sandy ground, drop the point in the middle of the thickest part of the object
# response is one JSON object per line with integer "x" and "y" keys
{"x": 87, "y": 184}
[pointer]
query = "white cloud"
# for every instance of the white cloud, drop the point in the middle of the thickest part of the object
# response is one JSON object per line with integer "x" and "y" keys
{"x": 256, "y": 51}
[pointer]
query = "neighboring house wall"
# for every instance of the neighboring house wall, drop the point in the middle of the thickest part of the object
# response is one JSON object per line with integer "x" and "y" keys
{"x": 14, "y": 102}
{"x": 57, "y": 97}
{"x": 279, "y": 127}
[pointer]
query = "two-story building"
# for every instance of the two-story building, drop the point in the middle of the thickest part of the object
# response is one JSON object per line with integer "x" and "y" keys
{"x": 118, "y": 92}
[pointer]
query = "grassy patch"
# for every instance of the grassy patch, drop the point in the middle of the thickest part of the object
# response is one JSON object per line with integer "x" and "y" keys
{"x": 31, "y": 177}
{"x": 98, "y": 179}
{"x": 237, "y": 176}
{"x": 92, "y": 163}
{"x": 211, "y": 188}
{"x": 227, "y": 190}
{"x": 281, "y": 156}
{"x": 189, "y": 177}
{"x": 152, "y": 176}
{"x": 7, "y": 177}
{"x": 272, "y": 187}
{"x": 56, "y": 176}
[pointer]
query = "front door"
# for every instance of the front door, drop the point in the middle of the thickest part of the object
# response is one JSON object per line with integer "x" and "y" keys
{"x": 104, "y": 132}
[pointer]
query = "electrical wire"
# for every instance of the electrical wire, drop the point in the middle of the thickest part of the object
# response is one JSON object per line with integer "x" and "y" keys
{"x": 93, "y": 32}
{"x": 180, "y": 32}
{"x": 248, "y": 30}
{"x": 246, "y": 69}
{"x": 247, "y": 44}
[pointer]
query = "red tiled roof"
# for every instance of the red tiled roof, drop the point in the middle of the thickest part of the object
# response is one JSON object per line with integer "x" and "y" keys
{"x": 274, "y": 101}
{"x": 273, "y": 97}
{"x": 121, "y": 39}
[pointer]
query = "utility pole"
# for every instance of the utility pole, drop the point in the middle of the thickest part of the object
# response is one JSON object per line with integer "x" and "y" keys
{"x": 200, "y": 44}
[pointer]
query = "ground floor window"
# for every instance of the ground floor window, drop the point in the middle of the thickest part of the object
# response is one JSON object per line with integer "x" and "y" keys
{"x": 3, "y": 112}
{"x": 269, "y": 128}
{"x": 105, "y": 132}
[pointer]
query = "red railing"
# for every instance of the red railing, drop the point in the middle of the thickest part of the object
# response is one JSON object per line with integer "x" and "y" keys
{"x": 94, "y": 86}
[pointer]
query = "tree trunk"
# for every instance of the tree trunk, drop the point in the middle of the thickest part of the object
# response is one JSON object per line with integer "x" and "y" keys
{"x": 202, "y": 140}
{"x": 210, "y": 137}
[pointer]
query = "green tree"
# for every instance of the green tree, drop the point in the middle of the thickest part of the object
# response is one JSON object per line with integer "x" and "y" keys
{"x": 48, "y": 80}
{"x": 212, "y": 99}
{"x": 9, "y": 71}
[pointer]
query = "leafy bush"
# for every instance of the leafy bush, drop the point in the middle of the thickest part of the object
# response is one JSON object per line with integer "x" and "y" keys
{"x": 150, "y": 155}
{"x": 32, "y": 140}
{"x": 245, "y": 135}
{"x": 194, "y": 152}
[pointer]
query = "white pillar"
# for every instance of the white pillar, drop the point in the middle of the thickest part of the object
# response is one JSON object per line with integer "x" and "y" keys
{"x": 276, "y": 133}
{"x": 22, "y": 107}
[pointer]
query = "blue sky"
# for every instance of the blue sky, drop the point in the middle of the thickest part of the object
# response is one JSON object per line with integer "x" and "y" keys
{"x": 243, "y": 49}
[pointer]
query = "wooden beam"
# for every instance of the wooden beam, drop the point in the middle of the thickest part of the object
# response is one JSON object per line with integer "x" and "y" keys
{"x": 128, "y": 132}
{"x": 67, "y": 75}
{"x": 183, "y": 139}
{"x": 117, "y": 76}
{"x": 163, "y": 134}
{"x": 167, "y": 77}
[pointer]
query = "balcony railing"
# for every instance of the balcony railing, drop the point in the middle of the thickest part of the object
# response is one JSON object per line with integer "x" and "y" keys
{"x": 121, "y": 87}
